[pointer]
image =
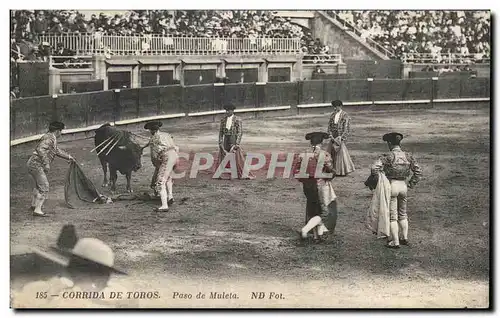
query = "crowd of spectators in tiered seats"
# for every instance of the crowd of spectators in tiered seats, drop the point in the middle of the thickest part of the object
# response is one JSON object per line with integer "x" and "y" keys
{"x": 27, "y": 25}
{"x": 432, "y": 32}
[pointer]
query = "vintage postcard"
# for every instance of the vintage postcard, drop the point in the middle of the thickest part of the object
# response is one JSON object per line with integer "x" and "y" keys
{"x": 250, "y": 159}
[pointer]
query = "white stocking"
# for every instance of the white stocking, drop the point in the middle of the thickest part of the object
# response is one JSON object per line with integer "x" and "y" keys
{"x": 404, "y": 228}
{"x": 38, "y": 203}
{"x": 163, "y": 197}
{"x": 313, "y": 222}
{"x": 322, "y": 229}
{"x": 395, "y": 232}
{"x": 170, "y": 194}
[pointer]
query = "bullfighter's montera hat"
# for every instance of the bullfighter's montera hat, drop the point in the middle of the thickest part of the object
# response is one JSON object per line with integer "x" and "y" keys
{"x": 154, "y": 125}
{"x": 337, "y": 102}
{"x": 229, "y": 106}
{"x": 393, "y": 137}
{"x": 56, "y": 125}
{"x": 316, "y": 137}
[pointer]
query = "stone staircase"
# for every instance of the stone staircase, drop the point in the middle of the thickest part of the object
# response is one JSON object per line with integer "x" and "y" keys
{"x": 346, "y": 40}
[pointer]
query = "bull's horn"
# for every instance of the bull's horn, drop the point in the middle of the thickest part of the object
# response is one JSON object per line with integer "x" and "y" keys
{"x": 122, "y": 147}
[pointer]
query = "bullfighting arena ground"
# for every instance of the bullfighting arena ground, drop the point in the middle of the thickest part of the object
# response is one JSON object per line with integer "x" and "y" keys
{"x": 239, "y": 236}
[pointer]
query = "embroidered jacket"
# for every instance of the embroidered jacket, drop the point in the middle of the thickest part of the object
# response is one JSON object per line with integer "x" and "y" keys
{"x": 235, "y": 130}
{"x": 399, "y": 165}
{"x": 46, "y": 151}
{"x": 313, "y": 162}
{"x": 160, "y": 142}
{"x": 341, "y": 128}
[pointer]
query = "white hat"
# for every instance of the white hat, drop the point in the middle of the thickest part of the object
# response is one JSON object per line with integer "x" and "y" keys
{"x": 95, "y": 251}
{"x": 89, "y": 249}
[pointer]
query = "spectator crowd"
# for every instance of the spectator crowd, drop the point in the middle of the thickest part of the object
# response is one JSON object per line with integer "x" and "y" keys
{"x": 194, "y": 23}
{"x": 400, "y": 32}
{"x": 406, "y": 33}
{"x": 29, "y": 24}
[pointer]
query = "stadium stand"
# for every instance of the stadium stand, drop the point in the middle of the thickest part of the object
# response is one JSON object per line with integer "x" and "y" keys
{"x": 425, "y": 36}
{"x": 29, "y": 26}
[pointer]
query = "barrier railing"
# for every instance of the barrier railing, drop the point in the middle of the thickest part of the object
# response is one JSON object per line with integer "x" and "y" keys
{"x": 154, "y": 44}
{"x": 82, "y": 112}
{"x": 322, "y": 59}
{"x": 444, "y": 58}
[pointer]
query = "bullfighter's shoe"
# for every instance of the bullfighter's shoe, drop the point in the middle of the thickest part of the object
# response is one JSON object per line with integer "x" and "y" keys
{"x": 38, "y": 214}
{"x": 404, "y": 242}
{"x": 392, "y": 245}
{"x": 161, "y": 209}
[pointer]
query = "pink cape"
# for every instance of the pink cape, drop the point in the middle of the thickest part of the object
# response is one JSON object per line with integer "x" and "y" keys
{"x": 240, "y": 163}
{"x": 342, "y": 161}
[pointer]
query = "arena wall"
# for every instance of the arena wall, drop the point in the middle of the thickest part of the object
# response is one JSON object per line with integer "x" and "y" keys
{"x": 102, "y": 67}
{"x": 373, "y": 68}
{"x": 330, "y": 69}
{"x": 262, "y": 67}
{"x": 481, "y": 70}
{"x": 82, "y": 113}
{"x": 33, "y": 78}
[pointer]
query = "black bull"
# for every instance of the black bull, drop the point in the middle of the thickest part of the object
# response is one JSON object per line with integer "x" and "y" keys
{"x": 125, "y": 156}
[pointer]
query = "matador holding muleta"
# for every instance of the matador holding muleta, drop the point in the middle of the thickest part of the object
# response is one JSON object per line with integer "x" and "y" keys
{"x": 40, "y": 162}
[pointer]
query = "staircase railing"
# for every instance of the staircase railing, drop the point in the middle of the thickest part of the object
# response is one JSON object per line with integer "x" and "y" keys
{"x": 372, "y": 43}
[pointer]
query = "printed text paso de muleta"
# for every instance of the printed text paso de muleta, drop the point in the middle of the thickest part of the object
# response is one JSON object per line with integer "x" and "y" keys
{"x": 223, "y": 295}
